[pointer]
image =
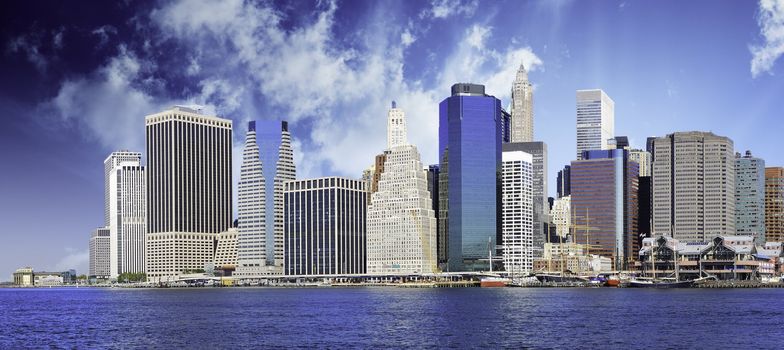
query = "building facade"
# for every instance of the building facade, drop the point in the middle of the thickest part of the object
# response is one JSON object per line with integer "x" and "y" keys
{"x": 541, "y": 206}
{"x": 561, "y": 216}
{"x": 188, "y": 187}
{"x": 595, "y": 121}
{"x": 23, "y": 277}
{"x": 604, "y": 202}
{"x": 774, "y": 204}
{"x": 252, "y": 210}
{"x": 100, "y": 254}
{"x": 750, "y": 196}
{"x": 522, "y": 113}
{"x": 470, "y": 137}
{"x": 563, "y": 184}
{"x": 401, "y": 220}
{"x": 517, "y": 212}
{"x": 325, "y": 226}
{"x": 226, "y": 250}
{"x": 693, "y": 186}
{"x": 643, "y": 158}
{"x": 127, "y": 212}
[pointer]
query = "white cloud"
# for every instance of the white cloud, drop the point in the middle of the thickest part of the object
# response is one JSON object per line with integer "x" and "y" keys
{"x": 105, "y": 105}
{"x": 771, "y": 23}
{"x": 74, "y": 259}
{"x": 337, "y": 97}
{"x": 447, "y": 8}
{"x": 30, "y": 46}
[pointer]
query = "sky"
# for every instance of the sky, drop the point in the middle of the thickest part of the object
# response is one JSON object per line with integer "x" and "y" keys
{"x": 77, "y": 80}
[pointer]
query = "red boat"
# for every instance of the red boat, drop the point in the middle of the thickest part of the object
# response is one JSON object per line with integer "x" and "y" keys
{"x": 494, "y": 282}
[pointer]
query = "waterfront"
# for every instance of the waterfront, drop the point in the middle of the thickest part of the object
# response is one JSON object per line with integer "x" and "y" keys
{"x": 389, "y": 317}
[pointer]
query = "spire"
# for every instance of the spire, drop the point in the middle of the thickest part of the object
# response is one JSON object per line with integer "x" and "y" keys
{"x": 522, "y": 74}
{"x": 396, "y": 127}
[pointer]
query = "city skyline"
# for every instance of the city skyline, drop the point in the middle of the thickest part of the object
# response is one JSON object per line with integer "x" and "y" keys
{"x": 57, "y": 101}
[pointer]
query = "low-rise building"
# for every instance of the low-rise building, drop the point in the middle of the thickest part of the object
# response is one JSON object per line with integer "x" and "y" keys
{"x": 226, "y": 251}
{"x": 723, "y": 257}
{"x": 23, "y": 277}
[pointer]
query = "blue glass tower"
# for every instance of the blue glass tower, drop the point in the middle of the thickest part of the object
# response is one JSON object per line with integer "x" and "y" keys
{"x": 269, "y": 139}
{"x": 470, "y": 134}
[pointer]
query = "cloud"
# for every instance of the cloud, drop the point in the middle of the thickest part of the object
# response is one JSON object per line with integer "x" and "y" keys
{"x": 244, "y": 61}
{"x": 31, "y": 45}
{"x": 74, "y": 259}
{"x": 103, "y": 33}
{"x": 446, "y": 8}
{"x": 771, "y": 22}
{"x": 106, "y": 105}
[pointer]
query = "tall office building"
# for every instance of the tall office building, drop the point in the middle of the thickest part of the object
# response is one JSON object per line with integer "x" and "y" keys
{"x": 432, "y": 187}
{"x": 99, "y": 253}
{"x": 643, "y": 158}
{"x": 401, "y": 223}
{"x": 693, "y": 186}
{"x": 517, "y": 212}
{"x": 252, "y": 208}
{"x": 470, "y": 137}
{"x": 127, "y": 212}
{"x": 522, "y": 120}
{"x": 267, "y": 164}
{"x": 604, "y": 202}
{"x": 188, "y": 187}
{"x": 561, "y": 216}
{"x": 541, "y": 207}
{"x": 750, "y": 197}
{"x": 562, "y": 180}
{"x": 113, "y": 161}
{"x": 324, "y": 226}
{"x": 774, "y": 204}
{"x": 595, "y": 121}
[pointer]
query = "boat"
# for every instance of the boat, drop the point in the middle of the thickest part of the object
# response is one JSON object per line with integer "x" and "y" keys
{"x": 613, "y": 281}
{"x": 647, "y": 282}
{"x": 494, "y": 282}
{"x": 559, "y": 278}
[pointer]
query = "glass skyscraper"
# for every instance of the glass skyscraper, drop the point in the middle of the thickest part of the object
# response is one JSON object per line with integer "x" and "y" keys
{"x": 470, "y": 135}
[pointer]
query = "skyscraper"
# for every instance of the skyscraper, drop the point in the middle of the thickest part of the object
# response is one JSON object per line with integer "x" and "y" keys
{"x": 470, "y": 135}
{"x": 267, "y": 164}
{"x": 99, "y": 253}
{"x": 110, "y": 163}
{"x": 604, "y": 200}
{"x": 595, "y": 120}
{"x": 401, "y": 233}
{"x": 252, "y": 208}
{"x": 541, "y": 207}
{"x": 561, "y": 215}
{"x": 643, "y": 158}
{"x": 325, "y": 226}
{"x": 563, "y": 184}
{"x": 127, "y": 212}
{"x": 750, "y": 197}
{"x": 774, "y": 204}
{"x": 693, "y": 186}
{"x": 522, "y": 121}
{"x": 188, "y": 187}
{"x": 517, "y": 212}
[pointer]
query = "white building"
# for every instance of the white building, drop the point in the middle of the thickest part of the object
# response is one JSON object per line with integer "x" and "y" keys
{"x": 595, "y": 120}
{"x": 189, "y": 187}
{"x": 99, "y": 253}
{"x": 251, "y": 203}
{"x": 401, "y": 224}
{"x": 284, "y": 171}
{"x": 226, "y": 249}
{"x": 522, "y": 113}
{"x": 517, "y": 212}
{"x": 127, "y": 212}
{"x": 561, "y": 215}
{"x": 643, "y": 158}
{"x": 109, "y": 164}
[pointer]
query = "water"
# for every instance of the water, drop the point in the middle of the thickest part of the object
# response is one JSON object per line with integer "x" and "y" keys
{"x": 391, "y": 317}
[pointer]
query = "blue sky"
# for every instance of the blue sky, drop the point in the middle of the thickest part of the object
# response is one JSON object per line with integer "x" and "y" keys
{"x": 77, "y": 82}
